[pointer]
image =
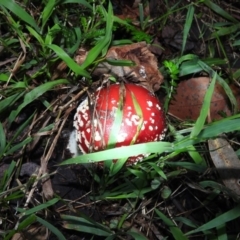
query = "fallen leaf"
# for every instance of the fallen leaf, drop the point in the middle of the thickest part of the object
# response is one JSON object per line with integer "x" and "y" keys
{"x": 187, "y": 102}
{"x": 145, "y": 72}
{"x": 226, "y": 162}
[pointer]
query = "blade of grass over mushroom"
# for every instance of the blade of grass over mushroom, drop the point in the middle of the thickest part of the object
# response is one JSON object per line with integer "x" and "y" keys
{"x": 19, "y": 12}
{"x": 175, "y": 231}
{"x": 187, "y": 26}
{"x": 222, "y": 219}
{"x": 69, "y": 61}
{"x": 53, "y": 229}
{"x": 33, "y": 95}
{"x": 117, "y": 120}
{"x": 215, "y": 8}
{"x": 122, "y": 152}
{"x": 204, "y": 110}
{"x": 103, "y": 44}
{"x": 139, "y": 112}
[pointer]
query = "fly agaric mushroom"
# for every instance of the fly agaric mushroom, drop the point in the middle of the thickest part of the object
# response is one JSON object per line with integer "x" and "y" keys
{"x": 142, "y": 119}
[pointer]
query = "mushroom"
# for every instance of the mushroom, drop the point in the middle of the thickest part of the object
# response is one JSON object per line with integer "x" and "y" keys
{"x": 141, "y": 115}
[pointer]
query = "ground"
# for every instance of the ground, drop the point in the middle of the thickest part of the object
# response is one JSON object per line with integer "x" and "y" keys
{"x": 56, "y": 54}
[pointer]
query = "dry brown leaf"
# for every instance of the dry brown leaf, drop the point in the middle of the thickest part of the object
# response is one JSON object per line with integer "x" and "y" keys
{"x": 226, "y": 162}
{"x": 187, "y": 101}
{"x": 145, "y": 72}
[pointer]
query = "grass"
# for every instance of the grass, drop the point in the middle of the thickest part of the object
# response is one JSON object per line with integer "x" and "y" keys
{"x": 171, "y": 193}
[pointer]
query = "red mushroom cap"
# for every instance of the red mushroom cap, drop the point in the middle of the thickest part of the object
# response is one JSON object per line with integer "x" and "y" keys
{"x": 94, "y": 126}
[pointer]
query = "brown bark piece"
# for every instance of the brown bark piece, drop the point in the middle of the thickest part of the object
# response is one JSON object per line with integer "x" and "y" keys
{"x": 227, "y": 163}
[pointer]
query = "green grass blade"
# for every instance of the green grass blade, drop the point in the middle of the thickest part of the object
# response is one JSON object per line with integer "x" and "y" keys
{"x": 222, "y": 219}
{"x": 122, "y": 152}
{"x": 204, "y": 110}
{"x": 38, "y": 207}
{"x": 223, "y": 31}
{"x": 47, "y": 12}
{"x": 83, "y": 2}
{"x": 53, "y": 229}
{"x": 136, "y": 235}
{"x": 9, "y": 101}
{"x": 187, "y": 26}
{"x": 215, "y": 8}
{"x": 69, "y": 61}
{"x": 33, "y": 95}
{"x": 104, "y": 43}
{"x": 36, "y": 35}
{"x": 2, "y": 139}
{"x": 85, "y": 224}
{"x": 223, "y": 83}
{"x": 175, "y": 231}
{"x": 20, "y": 12}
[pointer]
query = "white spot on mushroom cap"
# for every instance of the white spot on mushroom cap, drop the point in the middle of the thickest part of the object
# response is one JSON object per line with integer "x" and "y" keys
{"x": 149, "y": 103}
{"x": 152, "y": 120}
{"x": 97, "y": 136}
{"x": 150, "y": 128}
{"x": 121, "y": 137}
{"x": 129, "y": 108}
{"x": 128, "y": 122}
{"x": 158, "y": 107}
{"x": 129, "y": 114}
